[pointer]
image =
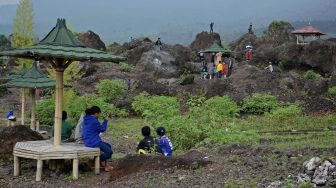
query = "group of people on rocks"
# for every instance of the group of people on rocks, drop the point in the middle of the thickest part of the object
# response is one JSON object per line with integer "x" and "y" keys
{"x": 220, "y": 67}
{"x": 89, "y": 129}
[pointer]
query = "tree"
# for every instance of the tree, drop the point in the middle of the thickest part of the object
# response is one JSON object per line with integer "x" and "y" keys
{"x": 23, "y": 27}
{"x": 279, "y": 32}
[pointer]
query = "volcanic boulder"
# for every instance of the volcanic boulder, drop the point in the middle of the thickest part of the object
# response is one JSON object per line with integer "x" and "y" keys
{"x": 204, "y": 40}
{"x": 91, "y": 40}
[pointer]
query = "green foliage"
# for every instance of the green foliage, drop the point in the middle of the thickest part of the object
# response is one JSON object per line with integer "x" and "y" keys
{"x": 311, "y": 75}
{"x": 332, "y": 90}
{"x": 155, "y": 109}
{"x": 233, "y": 134}
{"x": 125, "y": 67}
{"x": 260, "y": 103}
{"x": 221, "y": 106}
{"x": 194, "y": 100}
{"x": 111, "y": 89}
{"x": 71, "y": 73}
{"x": 283, "y": 113}
{"x": 45, "y": 111}
{"x": 279, "y": 32}
{"x": 23, "y": 28}
{"x": 80, "y": 104}
{"x": 306, "y": 185}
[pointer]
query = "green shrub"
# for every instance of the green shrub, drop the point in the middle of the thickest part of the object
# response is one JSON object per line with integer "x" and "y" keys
{"x": 221, "y": 106}
{"x": 125, "y": 67}
{"x": 80, "y": 104}
{"x": 111, "y": 89}
{"x": 332, "y": 90}
{"x": 45, "y": 111}
{"x": 311, "y": 75}
{"x": 182, "y": 132}
{"x": 260, "y": 103}
{"x": 285, "y": 112}
{"x": 155, "y": 108}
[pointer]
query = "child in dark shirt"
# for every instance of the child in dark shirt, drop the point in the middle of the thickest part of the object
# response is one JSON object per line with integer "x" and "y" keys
{"x": 146, "y": 145}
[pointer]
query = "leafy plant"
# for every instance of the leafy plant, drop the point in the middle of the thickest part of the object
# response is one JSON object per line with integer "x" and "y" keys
{"x": 80, "y": 104}
{"x": 155, "y": 108}
{"x": 222, "y": 106}
{"x": 332, "y": 90}
{"x": 282, "y": 113}
{"x": 311, "y": 75}
{"x": 111, "y": 89}
{"x": 45, "y": 111}
{"x": 125, "y": 67}
{"x": 260, "y": 103}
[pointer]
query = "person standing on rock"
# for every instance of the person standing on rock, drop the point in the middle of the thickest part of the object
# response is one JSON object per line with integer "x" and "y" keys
{"x": 211, "y": 27}
{"x": 230, "y": 67}
{"x": 201, "y": 56}
{"x": 270, "y": 69}
{"x": 250, "y": 30}
{"x": 219, "y": 70}
{"x": 159, "y": 43}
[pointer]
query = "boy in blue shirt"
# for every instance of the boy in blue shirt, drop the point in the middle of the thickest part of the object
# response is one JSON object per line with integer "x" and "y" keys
{"x": 165, "y": 147}
{"x": 91, "y": 130}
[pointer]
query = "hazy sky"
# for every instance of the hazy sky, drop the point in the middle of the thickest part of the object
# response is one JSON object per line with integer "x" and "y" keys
{"x": 8, "y": 2}
{"x": 116, "y": 20}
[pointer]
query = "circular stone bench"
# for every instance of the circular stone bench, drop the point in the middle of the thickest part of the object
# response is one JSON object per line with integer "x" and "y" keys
{"x": 45, "y": 150}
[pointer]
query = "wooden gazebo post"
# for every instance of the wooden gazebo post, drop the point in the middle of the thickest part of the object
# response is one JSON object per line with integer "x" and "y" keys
{"x": 23, "y": 101}
{"x": 58, "y": 103}
{"x": 33, "y": 107}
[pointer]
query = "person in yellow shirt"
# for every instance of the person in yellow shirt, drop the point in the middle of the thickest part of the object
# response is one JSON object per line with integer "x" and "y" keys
{"x": 219, "y": 69}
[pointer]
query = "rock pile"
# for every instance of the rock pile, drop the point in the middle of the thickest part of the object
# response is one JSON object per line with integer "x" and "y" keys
{"x": 319, "y": 172}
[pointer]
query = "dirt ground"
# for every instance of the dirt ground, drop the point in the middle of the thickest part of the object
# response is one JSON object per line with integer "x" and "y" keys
{"x": 220, "y": 166}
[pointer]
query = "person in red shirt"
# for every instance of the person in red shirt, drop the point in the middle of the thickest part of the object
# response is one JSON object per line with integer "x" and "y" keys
{"x": 225, "y": 70}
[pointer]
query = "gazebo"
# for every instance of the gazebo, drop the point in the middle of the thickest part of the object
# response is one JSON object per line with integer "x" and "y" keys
{"x": 217, "y": 49}
{"x": 18, "y": 75}
{"x": 32, "y": 80}
{"x": 59, "y": 48}
{"x": 307, "y": 31}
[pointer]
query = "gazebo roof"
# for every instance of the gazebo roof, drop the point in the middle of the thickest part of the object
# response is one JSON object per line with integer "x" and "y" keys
{"x": 216, "y": 48}
{"x": 18, "y": 74}
{"x": 308, "y": 30}
{"x": 33, "y": 78}
{"x": 61, "y": 43}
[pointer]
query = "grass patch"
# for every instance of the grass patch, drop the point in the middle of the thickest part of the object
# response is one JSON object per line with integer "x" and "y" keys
{"x": 129, "y": 127}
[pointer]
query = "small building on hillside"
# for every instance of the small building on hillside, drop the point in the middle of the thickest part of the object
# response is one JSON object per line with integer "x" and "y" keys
{"x": 306, "y": 34}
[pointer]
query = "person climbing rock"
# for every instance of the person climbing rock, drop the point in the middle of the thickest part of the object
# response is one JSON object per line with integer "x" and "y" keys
{"x": 270, "y": 69}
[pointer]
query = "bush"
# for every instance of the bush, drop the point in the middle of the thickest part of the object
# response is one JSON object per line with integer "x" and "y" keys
{"x": 332, "y": 90}
{"x": 285, "y": 112}
{"x": 311, "y": 75}
{"x": 222, "y": 106}
{"x": 80, "y": 104}
{"x": 125, "y": 67}
{"x": 182, "y": 132}
{"x": 260, "y": 103}
{"x": 111, "y": 89}
{"x": 155, "y": 108}
{"x": 45, "y": 111}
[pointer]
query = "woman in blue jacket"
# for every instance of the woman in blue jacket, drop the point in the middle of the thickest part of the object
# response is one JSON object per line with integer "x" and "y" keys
{"x": 91, "y": 130}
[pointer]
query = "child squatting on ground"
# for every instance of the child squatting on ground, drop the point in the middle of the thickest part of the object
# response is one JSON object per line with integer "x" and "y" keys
{"x": 148, "y": 144}
{"x": 91, "y": 130}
